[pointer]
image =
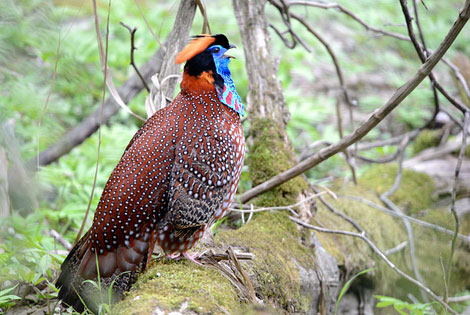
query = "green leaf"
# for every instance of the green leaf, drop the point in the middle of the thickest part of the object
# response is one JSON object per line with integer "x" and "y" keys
{"x": 347, "y": 285}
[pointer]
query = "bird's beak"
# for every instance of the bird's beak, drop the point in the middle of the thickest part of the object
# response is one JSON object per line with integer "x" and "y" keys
{"x": 229, "y": 56}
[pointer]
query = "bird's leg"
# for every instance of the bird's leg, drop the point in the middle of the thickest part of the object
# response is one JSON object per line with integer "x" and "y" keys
{"x": 192, "y": 257}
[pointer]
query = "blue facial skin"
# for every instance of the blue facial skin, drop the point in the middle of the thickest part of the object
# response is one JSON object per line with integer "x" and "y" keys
{"x": 221, "y": 65}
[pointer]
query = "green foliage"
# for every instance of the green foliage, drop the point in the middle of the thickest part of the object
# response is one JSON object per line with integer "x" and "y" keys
{"x": 405, "y": 308}
{"x": 6, "y": 299}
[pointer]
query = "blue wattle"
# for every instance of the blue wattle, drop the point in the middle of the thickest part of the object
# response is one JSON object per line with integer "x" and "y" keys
{"x": 228, "y": 95}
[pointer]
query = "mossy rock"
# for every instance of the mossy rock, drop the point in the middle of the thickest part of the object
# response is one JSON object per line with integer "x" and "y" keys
{"x": 426, "y": 139}
{"x": 387, "y": 232}
{"x": 168, "y": 284}
{"x": 414, "y": 194}
{"x": 352, "y": 253}
{"x": 275, "y": 241}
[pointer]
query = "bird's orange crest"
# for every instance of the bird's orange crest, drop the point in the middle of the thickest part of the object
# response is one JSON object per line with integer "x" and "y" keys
{"x": 195, "y": 46}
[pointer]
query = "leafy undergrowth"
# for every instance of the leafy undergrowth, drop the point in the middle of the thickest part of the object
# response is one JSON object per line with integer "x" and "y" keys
{"x": 29, "y": 256}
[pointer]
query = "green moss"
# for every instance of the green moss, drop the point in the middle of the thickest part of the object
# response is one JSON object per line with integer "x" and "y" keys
{"x": 414, "y": 194}
{"x": 352, "y": 253}
{"x": 387, "y": 232}
{"x": 274, "y": 239}
{"x": 169, "y": 284}
{"x": 426, "y": 139}
{"x": 268, "y": 156}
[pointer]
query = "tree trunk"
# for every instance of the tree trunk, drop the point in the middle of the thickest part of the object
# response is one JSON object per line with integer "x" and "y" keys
{"x": 270, "y": 151}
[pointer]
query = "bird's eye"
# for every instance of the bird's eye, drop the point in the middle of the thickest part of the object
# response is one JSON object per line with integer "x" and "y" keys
{"x": 216, "y": 50}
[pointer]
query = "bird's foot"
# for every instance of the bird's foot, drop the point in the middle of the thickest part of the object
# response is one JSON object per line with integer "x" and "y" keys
{"x": 174, "y": 256}
{"x": 192, "y": 257}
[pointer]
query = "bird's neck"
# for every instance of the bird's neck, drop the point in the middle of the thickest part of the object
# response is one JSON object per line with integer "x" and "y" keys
{"x": 204, "y": 82}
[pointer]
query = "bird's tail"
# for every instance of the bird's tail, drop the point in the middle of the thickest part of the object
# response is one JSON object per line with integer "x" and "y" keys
{"x": 86, "y": 276}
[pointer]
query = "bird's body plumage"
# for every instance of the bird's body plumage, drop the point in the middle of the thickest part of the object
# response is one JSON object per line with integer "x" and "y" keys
{"x": 176, "y": 177}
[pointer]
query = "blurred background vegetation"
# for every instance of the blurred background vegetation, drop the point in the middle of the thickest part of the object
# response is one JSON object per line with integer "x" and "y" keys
{"x": 35, "y": 34}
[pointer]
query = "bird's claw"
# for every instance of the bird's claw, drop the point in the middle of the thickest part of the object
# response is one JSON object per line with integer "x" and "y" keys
{"x": 192, "y": 257}
{"x": 188, "y": 256}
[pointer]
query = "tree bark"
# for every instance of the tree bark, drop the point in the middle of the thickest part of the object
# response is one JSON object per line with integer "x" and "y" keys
{"x": 270, "y": 151}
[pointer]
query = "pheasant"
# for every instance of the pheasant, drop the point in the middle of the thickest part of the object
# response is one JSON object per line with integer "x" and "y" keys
{"x": 176, "y": 177}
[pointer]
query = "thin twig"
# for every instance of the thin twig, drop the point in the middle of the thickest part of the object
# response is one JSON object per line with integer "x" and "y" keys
{"x": 385, "y": 199}
{"x": 403, "y": 144}
{"x": 421, "y": 51}
{"x": 381, "y": 143}
{"x": 346, "y": 151}
{"x": 104, "y": 65}
{"x": 333, "y": 209}
{"x": 242, "y": 271}
{"x": 342, "y": 9}
{"x": 350, "y": 14}
{"x": 282, "y": 37}
{"x": 289, "y": 207}
{"x": 454, "y": 196}
{"x": 464, "y": 238}
{"x": 396, "y": 249}
{"x": 375, "y": 117}
{"x": 285, "y": 15}
{"x": 132, "y": 62}
{"x": 381, "y": 255}
{"x": 206, "y": 29}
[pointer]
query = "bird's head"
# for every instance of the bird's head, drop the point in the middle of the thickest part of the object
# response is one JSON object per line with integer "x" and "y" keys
{"x": 207, "y": 68}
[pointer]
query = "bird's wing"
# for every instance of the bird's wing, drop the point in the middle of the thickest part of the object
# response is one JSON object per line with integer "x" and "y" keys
{"x": 202, "y": 180}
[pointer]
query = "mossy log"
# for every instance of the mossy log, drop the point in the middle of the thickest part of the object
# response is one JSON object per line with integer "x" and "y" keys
{"x": 301, "y": 271}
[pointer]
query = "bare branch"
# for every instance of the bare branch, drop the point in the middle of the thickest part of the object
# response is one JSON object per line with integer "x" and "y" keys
{"x": 464, "y": 238}
{"x": 350, "y": 14}
{"x": 132, "y": 63}
{"x": 391, "y": 205}
{"x": 376, "y": 117}
{"x": 381, "y": 255}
